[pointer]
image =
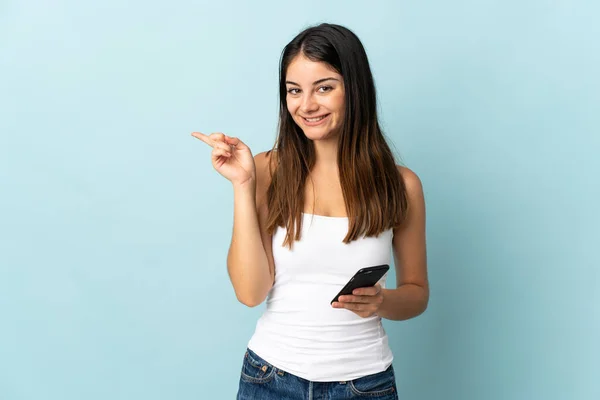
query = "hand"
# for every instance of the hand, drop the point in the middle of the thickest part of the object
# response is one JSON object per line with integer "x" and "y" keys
{"x": 230, "y": 157}
{"x": 363, "y": 302}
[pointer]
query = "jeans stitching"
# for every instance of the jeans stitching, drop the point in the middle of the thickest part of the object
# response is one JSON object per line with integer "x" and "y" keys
{"x": 377, "y": 392}
{"x": 255, "y": 364}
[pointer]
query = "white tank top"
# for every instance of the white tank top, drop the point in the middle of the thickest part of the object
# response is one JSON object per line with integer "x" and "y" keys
{"x": 300, "y": 332}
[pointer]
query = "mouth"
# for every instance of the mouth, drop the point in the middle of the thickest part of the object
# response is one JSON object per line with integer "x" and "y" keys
{"x": 315, "y": 120}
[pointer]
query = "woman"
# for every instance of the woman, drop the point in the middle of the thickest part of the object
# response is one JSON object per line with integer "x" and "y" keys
{"x": 327, "y": 200}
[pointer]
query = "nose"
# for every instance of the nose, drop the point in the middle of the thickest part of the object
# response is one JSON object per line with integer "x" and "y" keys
{"x": 308, "y": 104}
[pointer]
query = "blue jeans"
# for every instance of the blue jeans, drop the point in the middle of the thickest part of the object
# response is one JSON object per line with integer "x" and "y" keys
{"x": 261, "y": 380}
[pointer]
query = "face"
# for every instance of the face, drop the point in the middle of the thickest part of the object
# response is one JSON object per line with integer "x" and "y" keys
{"x": 315, "y": 98}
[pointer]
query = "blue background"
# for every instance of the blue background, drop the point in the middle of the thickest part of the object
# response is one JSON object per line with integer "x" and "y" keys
{"x": 114, "y": 227}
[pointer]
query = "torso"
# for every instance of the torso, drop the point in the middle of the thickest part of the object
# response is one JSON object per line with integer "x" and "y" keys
{"x": 302, "y": 334}
{"x": 322, "y": 262}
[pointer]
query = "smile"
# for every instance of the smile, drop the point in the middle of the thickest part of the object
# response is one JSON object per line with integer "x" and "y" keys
{"x": 316, "y": 120}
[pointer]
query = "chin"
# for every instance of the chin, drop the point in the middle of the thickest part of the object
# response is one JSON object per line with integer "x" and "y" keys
{"x": 318, "y": 134}
{"x": 329, "y": 135}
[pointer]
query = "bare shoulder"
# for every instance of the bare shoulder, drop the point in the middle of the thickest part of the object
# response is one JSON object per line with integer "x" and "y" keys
{"x": 413, "y": 184}
{"x": 415, "y": 217}
{"x": 262, "y": 161}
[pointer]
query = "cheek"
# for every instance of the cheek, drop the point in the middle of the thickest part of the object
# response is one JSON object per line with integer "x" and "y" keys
{"x": 291, "y": 107}
{"x": 337, "y": 104}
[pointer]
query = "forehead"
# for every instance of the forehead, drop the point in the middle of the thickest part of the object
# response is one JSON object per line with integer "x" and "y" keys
{"x": 305, "y": 71}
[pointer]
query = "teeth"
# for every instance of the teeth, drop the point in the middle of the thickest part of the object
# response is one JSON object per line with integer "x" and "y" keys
{"x": 315, "y": 119}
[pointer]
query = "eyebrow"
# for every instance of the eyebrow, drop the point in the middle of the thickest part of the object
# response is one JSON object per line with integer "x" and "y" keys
{"x": 315, "y": 82}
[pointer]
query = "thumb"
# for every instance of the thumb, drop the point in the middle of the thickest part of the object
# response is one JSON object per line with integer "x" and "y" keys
{"x": 234, "y": 141}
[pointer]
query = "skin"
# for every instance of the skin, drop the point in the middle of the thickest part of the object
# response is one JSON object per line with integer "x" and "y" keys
{"x": 315, "y": 89}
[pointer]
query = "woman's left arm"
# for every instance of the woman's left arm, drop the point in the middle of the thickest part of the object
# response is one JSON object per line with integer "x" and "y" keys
{"x": 411, "y": 296}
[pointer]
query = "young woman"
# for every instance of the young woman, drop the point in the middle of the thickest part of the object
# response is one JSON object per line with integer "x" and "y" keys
{"x": 326, "y": 201}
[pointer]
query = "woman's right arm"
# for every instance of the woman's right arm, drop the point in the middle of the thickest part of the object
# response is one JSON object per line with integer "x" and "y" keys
{"x": 250, "y": 258}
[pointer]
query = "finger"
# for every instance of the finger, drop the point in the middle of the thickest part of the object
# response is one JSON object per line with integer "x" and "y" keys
{"x": 204, "y": 138}
{"x": 215, "y": 140}
{"x": 222, "y": 146}
{"x": 368, "y": 291}
{"x": 219, "y": 139}
{"x": 357, "y": 299}
{"x": 212, "y": 140}
{"x": 235, "y": 142}
{"x": 352, "y": 306}
{"x": 217, "y": 152}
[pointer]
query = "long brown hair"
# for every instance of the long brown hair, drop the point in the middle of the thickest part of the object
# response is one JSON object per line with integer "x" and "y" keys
{"x": 373, "y": 188}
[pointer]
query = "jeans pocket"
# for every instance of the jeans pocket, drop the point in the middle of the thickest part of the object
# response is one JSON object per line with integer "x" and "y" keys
{"x": 375, "y": 385}
{"x": 255, "y": 369}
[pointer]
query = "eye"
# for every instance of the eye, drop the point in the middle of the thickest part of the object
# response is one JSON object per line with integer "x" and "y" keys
{"x": 291, "y": 91}
{"x": 327, "y": 89}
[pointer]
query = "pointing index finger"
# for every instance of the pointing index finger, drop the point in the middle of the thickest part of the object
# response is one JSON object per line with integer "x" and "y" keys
{"x": 204, "y": 138}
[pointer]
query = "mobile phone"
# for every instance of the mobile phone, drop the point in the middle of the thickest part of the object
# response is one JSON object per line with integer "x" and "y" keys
{"x": 364, "y": 277}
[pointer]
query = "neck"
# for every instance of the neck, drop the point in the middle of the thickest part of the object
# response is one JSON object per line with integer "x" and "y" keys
{"x": 326, "y": 154}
